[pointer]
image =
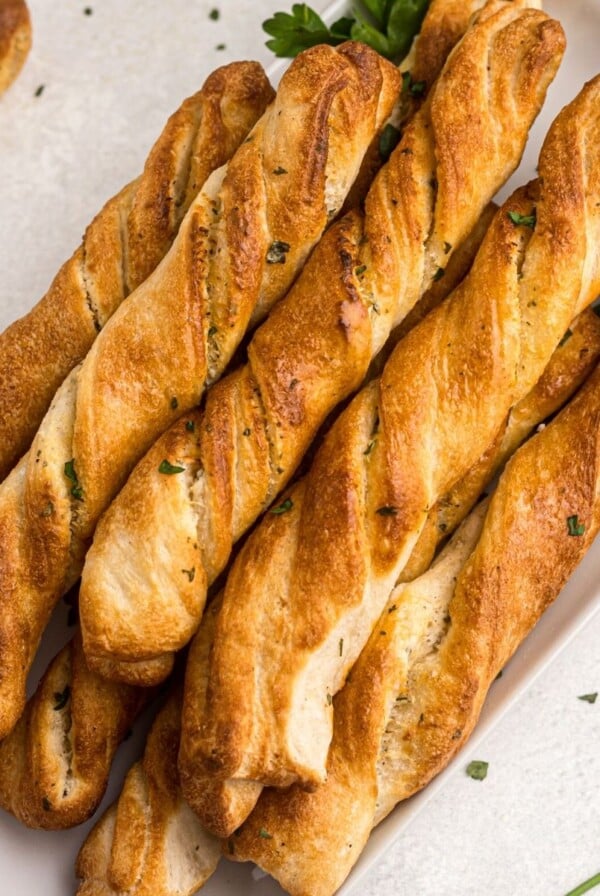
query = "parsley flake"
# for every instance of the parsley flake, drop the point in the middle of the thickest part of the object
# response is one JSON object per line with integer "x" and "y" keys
{"x": 214, "y": 14}
{"x": 525, "y": 220}
{"x": 61, "y": 698}
{"x": 415, "y": 88}
{"x": 589, "y": 698}
{"x": 574, "y": 527}
{"x": 278, "y": 252}
{"x": 76, "y": 489}
{"x": 39, "y": 90}
{"x": 283, "y": 508}
{"x": 169, "y": 469}
{"x": 264, "y": 835}
{"x": 190, "y": 425}
{"x": 279, "y": 170}
{"x": 387, "y": 511}
{"x": 341, "y": 646}
{"x": 190, "y": 573}
{"x": 478, "y": 769}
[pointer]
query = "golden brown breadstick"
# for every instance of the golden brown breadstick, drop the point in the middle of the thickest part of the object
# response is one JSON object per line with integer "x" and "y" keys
{"x": 149, "y": 843}
{"x": 319, "y": 574}
{"x": 120, "y": 249}
{"x": 369, "y": 270}
{"x": 54, "y": 765}
{"x": 15, "y": 40}
{"x": 417, "y": 689}
{"x": 223, "y": 805}
{"x": 230, "y": 262}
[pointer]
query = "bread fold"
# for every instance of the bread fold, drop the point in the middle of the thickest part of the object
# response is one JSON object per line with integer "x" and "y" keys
{"x": 237, "y": 251}
{"x": 54, "y": 765}
{"x": 223, "y": 805}
{"x": 149, "y": 843}
{"x": 319, "y": 574}
{"x": 417, "y": 690}
{"x": 366, "y": 274}
{"x": 121, "y": 247}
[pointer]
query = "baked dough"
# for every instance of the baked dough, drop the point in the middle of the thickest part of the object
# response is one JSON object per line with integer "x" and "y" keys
{"x": 142, "y": 597}
{"x": 417, "y": 690}
{"x": 317, "y": 576}
{"x": 177, "y": 332}
{"x": 120, "y": 248}
{"x": 15, "y": 40}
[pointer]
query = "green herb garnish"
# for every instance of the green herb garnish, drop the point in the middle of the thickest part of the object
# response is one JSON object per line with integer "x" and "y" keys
{"x": 61, "y": 698}
{"x": 214, "y": 14}
{"x": 39, "y": 90}
{"x": 174, "y": 404}
{"x": 415, "y": 88}
{"x": 525, "y": 220}
{"x": 169, "y": 469}
{"x": 190, "y": 573}
{"x": 212, "y": 330}
{"x": 76, "y": 489}
{"x": 48, "y": 509}
{"x": 341, "y": 646}
{"x": 389, "y": 140}
{"x": 387, "y": 26}
{"x": 278, "y": 252}
{"x": 477, "y": 769}
{"x": 190, "y": 425}
{"x": 574, "y": 527}
{"x": 360, "y": 270}
{"x": 589, "y": 698}
{"x": 221, "y": 47}
{"x": 265, "y": 834}
{"x": 585, "y": 886}
{"x": 283, "y": 508}
{"x": 329, "y": 699}
{"x": 279, "y": 170}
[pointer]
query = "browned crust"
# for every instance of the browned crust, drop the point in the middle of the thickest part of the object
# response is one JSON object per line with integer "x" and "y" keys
{"x": 312, "y": 352}
{"x": 521, "y": 561}
{"x": 152, "y": 360}
{"x": 54, "y": 765}
{"x": 15, "y": 40}
{"x": 394, "y": 451}
{"x": 149, "y": 842}
{"x": 120, "y": 248}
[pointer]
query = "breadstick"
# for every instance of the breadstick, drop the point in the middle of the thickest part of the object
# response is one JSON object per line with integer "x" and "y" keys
{"x": 15, "y": 40}
{"x": 120, "y": 249}
{"x": 319, "y": 574}
{"x": 417, "y": 689}
{"x": 315, "y": 349}
{"x": 149, "y": 843}
{"x": 54, "y": 765}
{"x": 151, "y": 361}
{"x": 221, "y": 805}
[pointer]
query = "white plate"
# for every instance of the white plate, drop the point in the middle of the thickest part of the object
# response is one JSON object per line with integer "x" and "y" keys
{"x": 34, "y": 862}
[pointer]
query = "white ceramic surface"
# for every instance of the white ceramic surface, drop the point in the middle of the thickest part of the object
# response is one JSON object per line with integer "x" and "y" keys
{"x": 110, "y": 81}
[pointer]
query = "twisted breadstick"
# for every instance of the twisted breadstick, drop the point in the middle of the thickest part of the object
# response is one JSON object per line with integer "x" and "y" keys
{"x": 310, "y": 583}
{"x": 120, "y": 249}
{"x": 15, "y": 40}
{"x": 54, "y": 765}
{"x": 314, "y": 350}
{"x": 222, "y": 805}
{"x": 149, "y": 843}
{"x": 416, "y": 692}
{"x": 229, "y": 263}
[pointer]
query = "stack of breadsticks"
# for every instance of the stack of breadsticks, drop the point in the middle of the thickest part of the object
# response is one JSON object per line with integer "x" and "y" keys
{"x": 344, "y": 661}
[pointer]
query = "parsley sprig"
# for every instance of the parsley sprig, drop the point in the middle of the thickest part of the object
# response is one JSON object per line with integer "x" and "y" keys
{"x": 386, "y": 25}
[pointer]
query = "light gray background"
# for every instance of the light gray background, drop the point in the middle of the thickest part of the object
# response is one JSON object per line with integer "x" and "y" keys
{"x": 532, "y": 828}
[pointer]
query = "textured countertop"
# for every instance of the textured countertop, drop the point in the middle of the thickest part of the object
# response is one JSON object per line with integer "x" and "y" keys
{"x": 111, "y": 78}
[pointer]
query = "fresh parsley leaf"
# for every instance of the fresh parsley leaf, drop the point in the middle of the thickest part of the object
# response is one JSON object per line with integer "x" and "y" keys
{"x": 525, "y": 220}
{"x": 585, "y": 886}
{"x": 589, "y": 698}
{"x": 478, "y": 769}
{"x": 169, "y": 469}
{"x": 265, "y": 834}
{"x": 387, "y": 26}
{"x": 574, "y": 527}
